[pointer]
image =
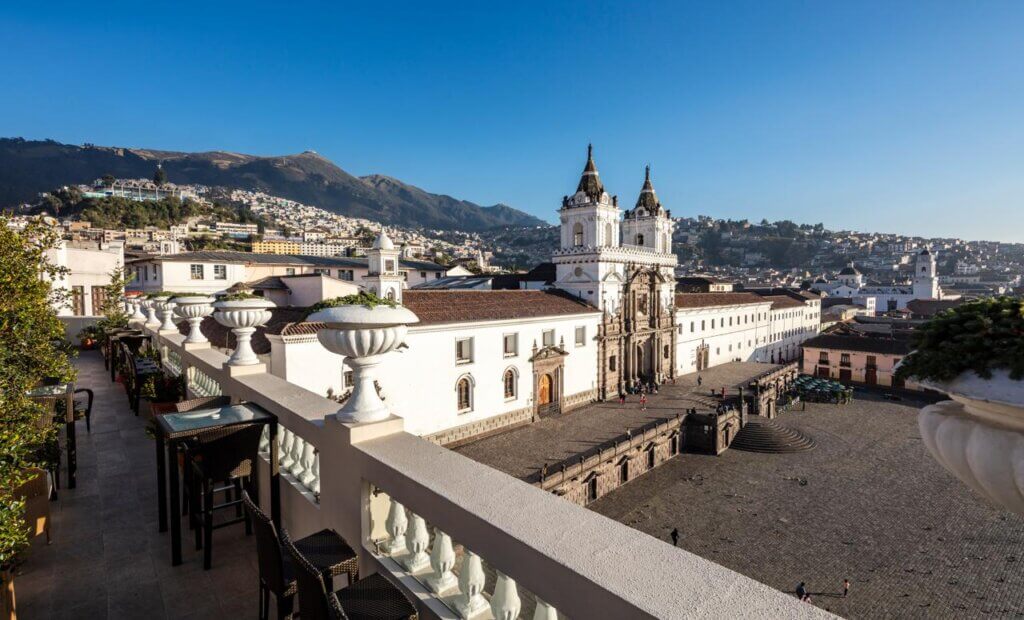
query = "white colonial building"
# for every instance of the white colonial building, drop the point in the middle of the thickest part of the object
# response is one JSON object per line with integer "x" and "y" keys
{"x": 480, "y": 361}
{"x": 924, "y": 285}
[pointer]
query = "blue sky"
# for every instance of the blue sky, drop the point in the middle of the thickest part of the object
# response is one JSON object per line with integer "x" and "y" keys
{"x": 890, "y": 116}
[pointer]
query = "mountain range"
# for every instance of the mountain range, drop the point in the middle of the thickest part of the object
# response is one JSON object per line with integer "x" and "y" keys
{"x": 28, "y": 167}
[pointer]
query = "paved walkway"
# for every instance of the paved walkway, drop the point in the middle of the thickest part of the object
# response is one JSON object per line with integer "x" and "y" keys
{"x": 523, "y": 451}
{"x": 107, "y": 559}
{"x": 869, "y": 504}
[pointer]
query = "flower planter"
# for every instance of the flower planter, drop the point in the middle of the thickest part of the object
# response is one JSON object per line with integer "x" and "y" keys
{"x": 149, "y": 305}
{"x": 136, "y": 306}
{"x": 194, "y": 309}
{"x": 165, "y": 308}
{"x": 243, "y": 316}
{"x": 979, "y": 435}
{"x": 363, "y": 334}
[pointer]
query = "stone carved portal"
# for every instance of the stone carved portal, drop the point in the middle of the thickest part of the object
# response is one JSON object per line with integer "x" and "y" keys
{"x": 548, "y": 373}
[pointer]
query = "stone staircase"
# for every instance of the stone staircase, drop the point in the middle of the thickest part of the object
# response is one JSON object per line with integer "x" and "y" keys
{"x": 764, "y": 435}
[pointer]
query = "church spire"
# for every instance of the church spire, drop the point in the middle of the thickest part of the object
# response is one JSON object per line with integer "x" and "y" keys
{"x": 648, "y": 199}
{"x": 590, "y": 182}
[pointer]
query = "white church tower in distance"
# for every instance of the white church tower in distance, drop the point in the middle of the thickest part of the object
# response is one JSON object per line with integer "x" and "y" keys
{"x": 926, "y": 281}
{"x": 383, "y": 277}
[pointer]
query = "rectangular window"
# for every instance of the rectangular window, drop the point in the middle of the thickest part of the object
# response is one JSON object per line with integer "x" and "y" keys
{"x": 872, "y": 361}
{"x": 389, "y": 266}
{"x": 510, "y": 346}
{"x": 611, "y": 363}
{"x": 78, "y": 300}
{"x": 549, "y": 338}
{"x": 464, "y": 351}
{"x": 844, "y": 359}
{"x": 349, "y": 379}
{"x": 581, "y": 336}
{"x": 823, "y": 357}
{"x": 196, "y": 272}
{"x": 99, "y": 297}
{"x": 692, "y": 325}
{"x": 702, "y": 325}
{"x": 220, "y": 272}
{"x": 322, "y": 271}
{"x": 423, "y": 275}
{"x": 289, "y": 271}
{"x": 346, "y": 274}
{"x": 712, "y": 323}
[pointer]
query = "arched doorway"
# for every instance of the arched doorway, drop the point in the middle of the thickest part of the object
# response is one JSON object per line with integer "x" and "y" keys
{"x": 544, "y": 391}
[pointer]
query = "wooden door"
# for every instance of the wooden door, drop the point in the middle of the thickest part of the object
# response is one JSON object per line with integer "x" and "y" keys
{"x": 845, "y": 374}
{"x": 544, "y": 390}
{"x": 871, "y": 376}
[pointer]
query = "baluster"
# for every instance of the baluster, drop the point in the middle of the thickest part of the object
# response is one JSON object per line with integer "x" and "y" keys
{"x": 544, "y": 611}
{"x": 308, "y": 456}
{"x": 396, "y": 523}
{"x": 471, "y": 601}
{"x": 298, "y": 449}
{"x": 416, "y": 544}
{"x": 314, "y": 484}
{"x": 286, "y": 449}
{"x": 505, "y": 601}
{"x": 265, "y": 440}
{"x": 442, "y": 560}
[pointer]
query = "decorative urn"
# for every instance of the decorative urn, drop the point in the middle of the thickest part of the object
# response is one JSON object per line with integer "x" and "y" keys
{"x": 149, "y": 305}
{"x": 979, "y": 434}
{"x": 243, "y": 316}
{"x": 194, "y": 308}
{"x": 363, "y": 335}
{"x": 135, "y": 304}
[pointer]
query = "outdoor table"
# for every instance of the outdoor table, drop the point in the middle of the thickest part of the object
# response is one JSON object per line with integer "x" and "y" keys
{"x": 173, "y": 428}
{"x": 52, "y": 394}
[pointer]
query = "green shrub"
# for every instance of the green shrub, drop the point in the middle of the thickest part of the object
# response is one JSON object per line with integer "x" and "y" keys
{"x": 361, "y": 298}
{"x": 978, "y": 336}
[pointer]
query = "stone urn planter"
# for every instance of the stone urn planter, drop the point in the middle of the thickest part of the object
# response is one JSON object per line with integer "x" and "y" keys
{"x": 165, "y": 310}
{"x": 979, "y": 434}
{"x": 243, "y": 316}
{"x": 364, "y": 335}
{"x": 135, "y": 305}
{"x": 194, "y": 308}
{"x": 149, "y": 305}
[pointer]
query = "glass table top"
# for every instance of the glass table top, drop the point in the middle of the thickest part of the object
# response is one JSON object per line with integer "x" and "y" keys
{"x": 43, "y": 391}
{"x": 203, "y": 419}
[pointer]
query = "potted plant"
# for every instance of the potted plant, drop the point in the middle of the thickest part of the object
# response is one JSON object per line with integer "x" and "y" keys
{"x": 89, "y": 336}
{"x": 243, "y": 312}
{"x": 163, "y": 391}
{"x": 363, "y": 328}
{"x": 975, "y": 354}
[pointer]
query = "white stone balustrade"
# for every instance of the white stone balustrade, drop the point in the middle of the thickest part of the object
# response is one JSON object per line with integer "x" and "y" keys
{"x": 505, "y": 603}
{"x": 296, "y": 457}
{"x": 202, "y": 384}
{"x": 396, "y": 524}
{"x": 416, "y": 541}
{"x": 442, "y": 560}
{"x": 471, "y": 586}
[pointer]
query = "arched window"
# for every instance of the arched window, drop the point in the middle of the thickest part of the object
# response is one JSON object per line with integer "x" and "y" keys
{"x": 577, "y": 234}
{"x": 510, "y": 383}
{"x": 639, "y": 239}
{"x": 391, "y": 295}
{"x": 608, "y": 235}
{"x": 464, "y": 394}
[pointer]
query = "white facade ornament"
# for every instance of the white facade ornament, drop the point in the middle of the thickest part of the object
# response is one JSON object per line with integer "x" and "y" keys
{"x": 165, "y": 309}
{"x": 505, "y": 603}
{"x": 194, "y": 309}
{"x": 979, "y": 435}
{"x": 364, "y": 335}
{"x": 442, "y": 560}
{"x": 416, "y": 544}
{"x": 396, "y": 523}
{"x": 471, "y": 601}
{"x": 243, "y": 316}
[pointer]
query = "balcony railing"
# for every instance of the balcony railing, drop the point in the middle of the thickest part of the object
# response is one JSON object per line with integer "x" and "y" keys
{"x": 462, "y": 539}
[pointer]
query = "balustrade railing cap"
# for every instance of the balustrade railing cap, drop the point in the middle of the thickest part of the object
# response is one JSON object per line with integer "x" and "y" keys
{"x": 360, "y": 316}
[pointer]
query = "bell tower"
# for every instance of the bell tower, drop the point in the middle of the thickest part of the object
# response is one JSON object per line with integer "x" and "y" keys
{"x": 384, "y": 279}
{"x": 926, "y": 281}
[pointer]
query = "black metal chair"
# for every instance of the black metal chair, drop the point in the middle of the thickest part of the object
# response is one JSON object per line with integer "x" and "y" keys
{"x": 83, "y": 408}
{"x": 223, "y": 454}
{"x": 326, "y": 550}
{"x": 373, "y": 597}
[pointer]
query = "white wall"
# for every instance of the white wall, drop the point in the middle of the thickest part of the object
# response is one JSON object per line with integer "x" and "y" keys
{"x": 419, "y": 382}
{"x": 726, "y": 342}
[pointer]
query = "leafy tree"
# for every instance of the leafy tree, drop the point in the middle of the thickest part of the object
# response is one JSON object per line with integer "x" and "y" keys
{"x": 32, "y": 349}
{"x": 112, "y": 309}
{"x": 159, "y": 177}
{"x": 108, "y": 180}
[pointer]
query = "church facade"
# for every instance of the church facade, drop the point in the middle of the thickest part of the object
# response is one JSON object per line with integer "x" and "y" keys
{"x": 483, "y": 361}
{"x": 924, "y": 285}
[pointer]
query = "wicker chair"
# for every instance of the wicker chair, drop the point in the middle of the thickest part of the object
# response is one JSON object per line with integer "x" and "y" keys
{"x": 326, "y": 550}
{"x": 224, "y": 454}
{"x": 205, "y": 402}
{"x": 83, "y": 408}
{"x": 373, "y": 597}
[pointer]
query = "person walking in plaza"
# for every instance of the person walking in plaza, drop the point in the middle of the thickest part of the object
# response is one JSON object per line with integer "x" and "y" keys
{"x": 846, "y": 587}
{"x": 674, "y": 534}
{"x": 801, "y": 591}
{"x": 643, "y": 401}
{"x": 622, "y": 398}
{"x": 700, "y": 380}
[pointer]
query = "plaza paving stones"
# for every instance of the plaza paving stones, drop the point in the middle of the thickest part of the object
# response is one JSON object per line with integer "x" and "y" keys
{"x": 868, "y": 504}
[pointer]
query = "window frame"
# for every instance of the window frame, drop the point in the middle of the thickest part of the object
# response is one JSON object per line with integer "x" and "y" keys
{"x": 515, "y": 344}
{"x": 468, "y": 359}
{"x": 195, "y": 268}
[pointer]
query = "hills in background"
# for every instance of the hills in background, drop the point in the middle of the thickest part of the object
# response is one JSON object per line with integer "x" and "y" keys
{"x": 28, "y": 167}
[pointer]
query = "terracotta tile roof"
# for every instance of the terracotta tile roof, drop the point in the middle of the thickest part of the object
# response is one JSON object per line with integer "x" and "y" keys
{"x": 931, "y": 307}
{"x": 783, "y": 301}
{"x": 457, "y": 306}
{"x": 706, "y": 300}
{"x": 221, "y": 337}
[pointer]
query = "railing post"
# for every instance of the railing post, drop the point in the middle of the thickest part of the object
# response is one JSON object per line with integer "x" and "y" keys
{"x": 306, "y": 475}
{"x": 416, "y": 543}
{"x": 544, "y": 611}
{"x": 396, "y": 523}
{"x": 505, "y": 603}
{"x": 471, "y": 585}
{"x": 285, "y": 451}
{"x": 442, "y": 559}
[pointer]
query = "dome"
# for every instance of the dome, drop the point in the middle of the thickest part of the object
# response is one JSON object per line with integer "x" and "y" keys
{"x": 383, "y": 242}
{"x": 925, "y": 252}
{"x": 849, "y": 271}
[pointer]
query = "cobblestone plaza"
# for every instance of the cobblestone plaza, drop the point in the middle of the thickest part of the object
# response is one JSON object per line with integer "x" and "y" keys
{"x": 868, "y": 504}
